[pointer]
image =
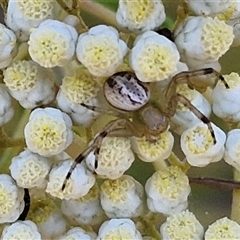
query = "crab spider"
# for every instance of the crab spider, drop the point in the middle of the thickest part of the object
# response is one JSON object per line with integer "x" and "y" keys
{"x": 140, "y": 115}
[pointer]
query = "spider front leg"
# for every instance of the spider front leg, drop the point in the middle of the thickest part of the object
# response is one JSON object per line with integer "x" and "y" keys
{"x": 113, "y": 128}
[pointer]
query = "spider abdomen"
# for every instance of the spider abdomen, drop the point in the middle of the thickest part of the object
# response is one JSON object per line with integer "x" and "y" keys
{"x": 124, "y": 91}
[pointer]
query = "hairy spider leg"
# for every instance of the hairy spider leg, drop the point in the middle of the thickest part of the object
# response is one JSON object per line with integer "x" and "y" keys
{"x": 96, "y": 144}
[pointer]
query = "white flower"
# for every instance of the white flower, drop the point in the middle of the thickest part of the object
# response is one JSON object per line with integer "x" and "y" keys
{"x": 184, "y": 117}
{"x": 23, "y": 15}
{"x": 48, "y": 131}
{"x": 78, "y": 185}
{"x": 158, "y": 150}
{"x": 6, "y": 109}
{"x": 207, "y": 7}
{"x": 167, "y": 191}
{"x": 198, "y": 147}
{"x": 226, "y": 102}
{"x": 232, "y": 148}
{"x": 30, "y": 169}
{"x": 100, "y": 50}
{"x": 122, "y": 198}
{"x": 223, "y": 228}
{"x": 48, "y": 218}
{"x": 21, "y": 230}
{"x": 7, "y": 46}
{"x": 115, "y": 157}
{"x": 153, "y": 57}
{"x": 30, "y": 84}
{"x": 203, "y": 38}
{"x": 79, "y": 87}
{"x": 119, "y": 229}
{"x": 11, "y": 201}
{"x": 182, "y": 226}
{"x": 52, "y": 43}
{"x": 78, "y": 233}
{"x": 143, "y": 16}
{"x": 85, "y": 210}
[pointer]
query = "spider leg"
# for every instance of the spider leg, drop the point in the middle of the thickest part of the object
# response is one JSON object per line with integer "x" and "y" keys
{"x": 200, "y": 115}
{"x": 96, "y": 144}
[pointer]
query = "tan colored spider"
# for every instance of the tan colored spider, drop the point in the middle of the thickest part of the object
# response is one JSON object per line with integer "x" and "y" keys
{"x": 140, "y": 114}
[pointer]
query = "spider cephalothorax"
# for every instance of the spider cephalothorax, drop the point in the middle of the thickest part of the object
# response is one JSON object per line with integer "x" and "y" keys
{"x": 145, "y": 116}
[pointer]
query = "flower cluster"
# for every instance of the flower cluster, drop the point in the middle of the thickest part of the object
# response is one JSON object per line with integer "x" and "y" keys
{"x": 84, "y": 106}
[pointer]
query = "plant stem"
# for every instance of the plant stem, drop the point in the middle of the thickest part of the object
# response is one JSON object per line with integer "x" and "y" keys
{"x": 235, "y": 210}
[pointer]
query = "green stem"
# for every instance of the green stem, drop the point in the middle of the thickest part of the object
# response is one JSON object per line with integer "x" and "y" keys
{"x": 235, "y": 210}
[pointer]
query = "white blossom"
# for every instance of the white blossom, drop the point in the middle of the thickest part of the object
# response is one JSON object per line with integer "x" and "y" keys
{"x": 6, "y": 109}
{"x": 122, "y": 198}
{"x": 202, "y": 39}
{"x": 232, "y": 148}
{"x": 11, "y": 201}
{"x": 223, "y": 228}
{"x": 143, "y": 16}
{"x": 85, "y": 210}
{"x": 100, "y": 50}
{"x": 48, "y": 131}
{"x": 158, "y": 150}
{"x": 183, "y": 116}
{"x": 77, "y": 233}
{"x": 23, "y": 15}
{"x": 7, "y": 46}
{"x": 206, "y": 7}
{"x": 153, "y": 57}
{"x": 30, "y": 169}
{"x": 21, "y": 230}
{"x": 182, "y": 226}
{"x": 78, "y": 185}
{"x": 115, "y": 157}
{"x": 52, "y": 43}
{"x": 79, "y": 87}
{"x": 198, "y": 147}
{"x": 29, "y": 83}
{"x": 167, "y": 191}
{"x": 119, "y": 229}
{"x": 226, "y": 101}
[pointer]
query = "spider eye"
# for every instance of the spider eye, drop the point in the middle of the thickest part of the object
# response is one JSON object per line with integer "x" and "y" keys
{"x": 124, "y": 91}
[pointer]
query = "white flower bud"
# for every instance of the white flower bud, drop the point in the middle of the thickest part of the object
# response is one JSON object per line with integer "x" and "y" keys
{"x": 100, "y": 50}
{"x": 158, "y": 150}
{"x": 167, "y": 191}
{"x": 11, "y": 201}
{"x": 115, "y": 157}
{"x": 77, "y": 88}
{"x": 85, "y": 210}
{"x": 198, "y": 147}
{"x": 30, "y": 169}
{"x": 30, "y": 84}
{"x": 119, "y": 229}
{"x": 6, "y": 109}
{"x": 48, "y": 131}
{"x": 183, "y": 225}
{"x": 52, "y": 43}
{"x": 203, "y": 38}
{"x": 21, "y": 230}
{"x": 78, "y": 233}
{"x": 206, "y": 8}
{"x": 122, "y": 198}
{"x": 232, "y": 146}
{"x": 143, "y": 16}
{"x": 223, "y": 228}
{"x": 7, "y": 46}
{"x": 183, "y": 116}
{"x": 78, "y": 184}
{"x": 23, "y": 15}
{"x": 226, "y": 101}
{"x": 153, "y": 57}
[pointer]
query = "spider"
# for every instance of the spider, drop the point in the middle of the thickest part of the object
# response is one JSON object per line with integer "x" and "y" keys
{"x": 141, "y": 115}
